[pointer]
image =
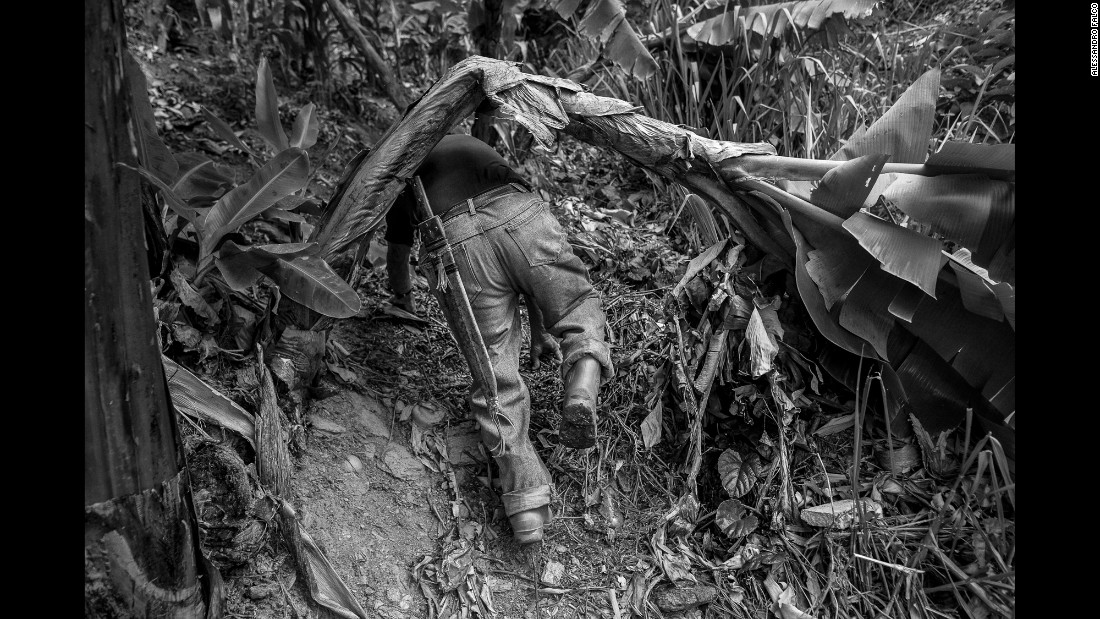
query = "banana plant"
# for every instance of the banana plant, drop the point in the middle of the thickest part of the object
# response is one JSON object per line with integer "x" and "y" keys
{"x": 937, "y": 313}
{"x": 209, "y": 209}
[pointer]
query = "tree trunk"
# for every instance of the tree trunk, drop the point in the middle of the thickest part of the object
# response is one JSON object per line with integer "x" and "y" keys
{"x": 141, "y": 549}
{"x": 349, "y": 24}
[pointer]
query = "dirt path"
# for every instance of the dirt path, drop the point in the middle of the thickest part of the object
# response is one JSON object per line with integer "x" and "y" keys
{"x": 395, "y": 487}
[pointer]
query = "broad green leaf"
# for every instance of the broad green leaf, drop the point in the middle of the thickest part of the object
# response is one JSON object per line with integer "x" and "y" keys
{"x": 835, "y": 270}
{"x": 904, "y": 130}
{"x": 977, "y": 348}
{"x": 812, "y": 299}
{"x": 970, "y": 209}
{"x": 202, "y": 180}
{"x": 977, "y": 296}
{"x": 281, "y": 176}
{"x": 844, "y": 189}
{"x": 240, "y": 265}
{"x": 912, "y": 256}
{"x": 776, "y": 19}
{"x": 153, "y": 154}
{"x": 981, "y": 156}
{"x": 738, "y": 474}
{"x": 722, "y": 29}
{"x": 865, "y": 310}
{"x": 225, "y": 132}
{"x": 267, "y": 109}
{"x": 905, "y": 302}
{"x": 311, "y": 282}
{"x": 606, "y": 21}
{"x": 1006, "y": 294}
{"x": 734, "y": 519}
{"x": 304, "y": 133}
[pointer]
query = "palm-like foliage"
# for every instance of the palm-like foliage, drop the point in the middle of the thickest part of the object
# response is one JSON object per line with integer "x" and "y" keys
{"x": 941, "y": 323}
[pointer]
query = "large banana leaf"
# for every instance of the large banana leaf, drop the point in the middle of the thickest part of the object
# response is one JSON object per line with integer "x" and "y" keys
{"x": 278, "y": 178}
{"x": 267, "y": 109}
{"x": 776, "y": 19}
{"x": 304, "y": 133}
{"x": 311, "y": 282}
{"x": 241, "y": 266}
{"x": 606, "y": 21}
{"x": 971, "y": 209}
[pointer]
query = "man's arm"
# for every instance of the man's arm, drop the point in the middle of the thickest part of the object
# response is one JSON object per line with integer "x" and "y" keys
{"x": 544, "y": 347}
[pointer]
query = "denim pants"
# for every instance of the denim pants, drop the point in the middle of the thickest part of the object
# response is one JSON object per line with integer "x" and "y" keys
{"x": 510, "y": 247}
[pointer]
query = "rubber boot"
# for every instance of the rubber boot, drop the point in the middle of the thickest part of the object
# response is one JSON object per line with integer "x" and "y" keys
{"x": 527, "y": 526}
{"x": 400, "y": 276}
{"x": 578, "y": 415}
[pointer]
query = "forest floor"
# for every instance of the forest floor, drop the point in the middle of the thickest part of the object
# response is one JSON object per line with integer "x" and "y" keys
{"x": 390, "y": 477}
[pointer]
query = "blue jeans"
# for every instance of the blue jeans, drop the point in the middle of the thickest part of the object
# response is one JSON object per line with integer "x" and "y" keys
{"x": 514, "y": 246}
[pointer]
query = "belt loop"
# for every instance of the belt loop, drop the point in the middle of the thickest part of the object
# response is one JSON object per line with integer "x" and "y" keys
{"x": 470, "y": 203}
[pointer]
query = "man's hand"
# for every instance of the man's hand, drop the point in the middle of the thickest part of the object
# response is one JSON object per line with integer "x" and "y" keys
{"x": 544, "y": 348}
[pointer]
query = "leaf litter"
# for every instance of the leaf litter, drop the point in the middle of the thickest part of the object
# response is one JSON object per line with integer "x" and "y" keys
{"x": 722, "y": 434}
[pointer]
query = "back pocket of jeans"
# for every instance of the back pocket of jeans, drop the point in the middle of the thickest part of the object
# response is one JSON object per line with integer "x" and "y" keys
{"x": 539, "y": 237}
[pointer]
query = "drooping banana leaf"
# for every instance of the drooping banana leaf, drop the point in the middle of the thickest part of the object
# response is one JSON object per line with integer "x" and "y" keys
{"x": 267, "y": 109}
{"x": 606, "y": 21}
{"x": 844, "y": 189}
{"x": 776, "y": 19}
{"x": 970, "y": 209}
{"x": 311, "y": 282}
{"x": 304, "y": 133}
{"x": 907, "y": 254}
{"x": 815, "y": 305}
{"x": 865, "y": 309}
{"x": 278, "y": 178}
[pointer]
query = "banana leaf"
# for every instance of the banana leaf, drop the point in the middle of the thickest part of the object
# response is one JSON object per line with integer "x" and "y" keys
{"x": 203, "y": 178}
{"x": 971, "y": 209}
{"x": 907, "y": 254}
{"x": 225, "y": 132}
{"x": 775, "y": 20}
{"x": 844, "y": 189}
{"x": 904, "y": 130}
{"x": 605, "y": 20}
{"x": 267, "y": 109}
{"x": 278, "y": 178}
{"x": 304, "y": 133}
{"x": 241, "y": 266}
{"x": 152, "y": 153}
{"x": 311, "y": 282}
{"x": 979, "y": 158}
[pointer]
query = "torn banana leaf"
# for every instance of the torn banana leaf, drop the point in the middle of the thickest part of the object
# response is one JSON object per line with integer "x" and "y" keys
{"x": 194, "y": 398}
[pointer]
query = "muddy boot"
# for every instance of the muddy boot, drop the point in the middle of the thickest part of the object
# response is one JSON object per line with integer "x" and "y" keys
{"x": 527, "y": 526}
{"x": 400, "y": 276}
{"x": 578, "y": 414}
